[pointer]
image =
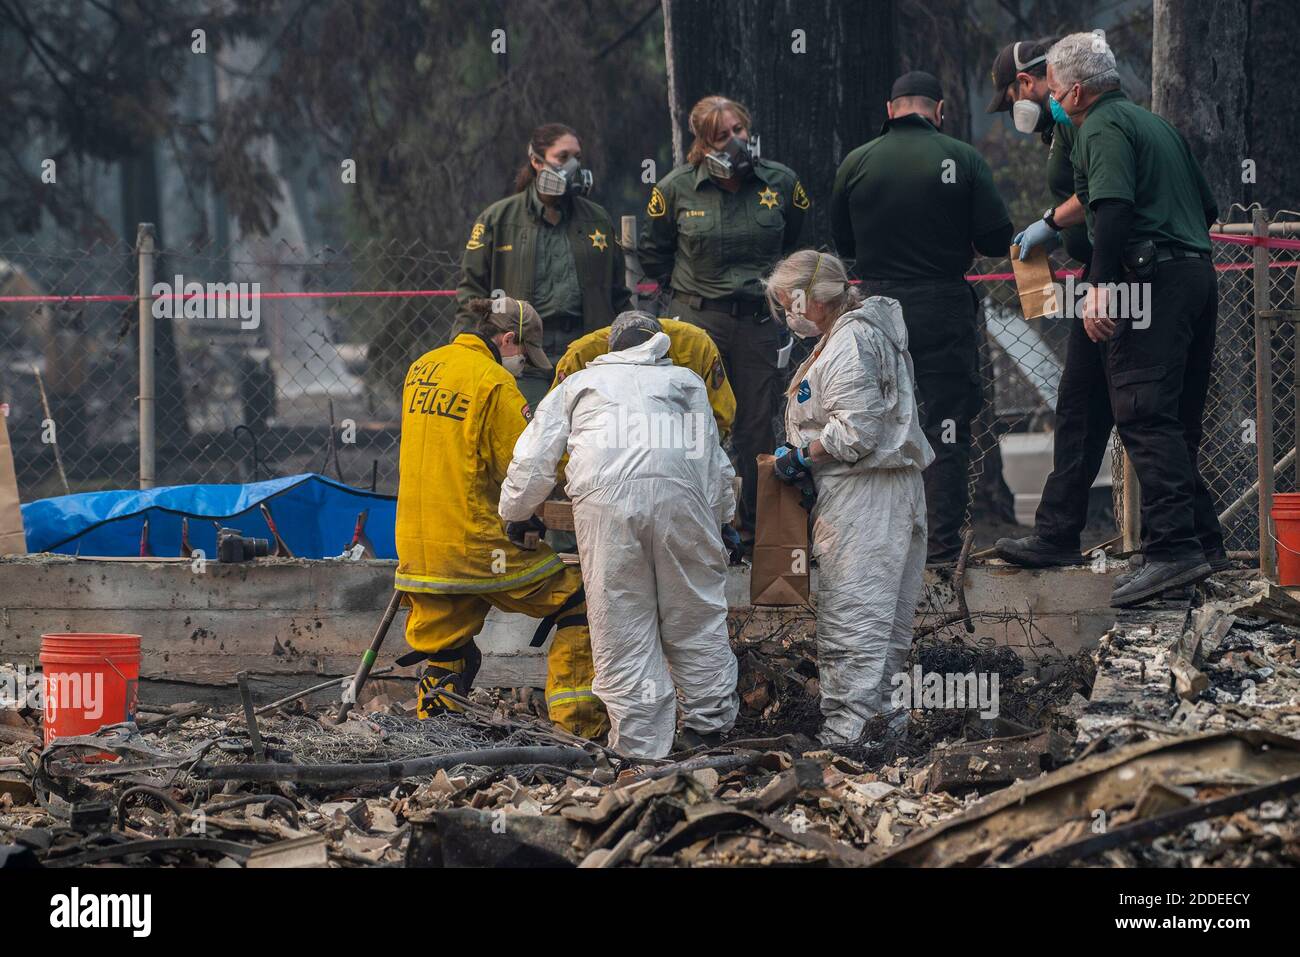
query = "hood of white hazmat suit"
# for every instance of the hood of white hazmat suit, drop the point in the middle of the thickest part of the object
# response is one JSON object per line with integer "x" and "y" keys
{"x": 856, "y": 393}
{"x": 627, "y": 415}
{"x": 650, "y": 487}
{"x": 864, "y": 406}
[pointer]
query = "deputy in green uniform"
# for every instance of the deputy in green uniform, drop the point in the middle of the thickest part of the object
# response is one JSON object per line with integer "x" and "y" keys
{"x": 716, "y": 225}
{"x": 1081, "y": 431}
{"x": 912, "y": 207}
{"x": 1152, "y": 304}
{"x": 548, "y": 245}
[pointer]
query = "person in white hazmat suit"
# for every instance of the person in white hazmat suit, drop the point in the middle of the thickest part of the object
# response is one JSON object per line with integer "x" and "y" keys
{"x": 651, "y": 489}
{"x": 851, "y": 421}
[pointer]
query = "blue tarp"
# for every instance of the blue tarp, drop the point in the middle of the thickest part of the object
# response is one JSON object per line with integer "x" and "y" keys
{"x": 314, "y": 515}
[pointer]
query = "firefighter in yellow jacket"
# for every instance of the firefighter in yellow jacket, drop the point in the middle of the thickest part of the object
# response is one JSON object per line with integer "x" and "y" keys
{"x": 689, "y": 347}
{"x": 461, "y": 416}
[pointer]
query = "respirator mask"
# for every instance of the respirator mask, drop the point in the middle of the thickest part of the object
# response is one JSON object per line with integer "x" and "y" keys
{"x": 1030, "y": 117}
{"x": 802, "y": 326}
{"x": 733, "y": 160}
{"x": 569, "y": 178}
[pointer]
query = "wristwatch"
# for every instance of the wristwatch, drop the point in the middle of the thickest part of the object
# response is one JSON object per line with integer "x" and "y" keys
{"x": 1049, "y": 217}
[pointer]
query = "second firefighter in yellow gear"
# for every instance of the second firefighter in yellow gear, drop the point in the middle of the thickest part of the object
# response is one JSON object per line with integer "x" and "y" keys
{"x": 461, "y": 416}
{"x": 689, "y": 347}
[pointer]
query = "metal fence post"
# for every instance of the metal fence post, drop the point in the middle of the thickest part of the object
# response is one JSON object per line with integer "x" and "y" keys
{"x": 144, "y": 248}
{"x": 630, "y": 263}
{"x": 1263, "y": 395}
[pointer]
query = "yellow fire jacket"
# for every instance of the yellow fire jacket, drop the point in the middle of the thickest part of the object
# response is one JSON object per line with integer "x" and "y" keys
{"x": 461, "y": 416}
{"x": 689, "y": 347}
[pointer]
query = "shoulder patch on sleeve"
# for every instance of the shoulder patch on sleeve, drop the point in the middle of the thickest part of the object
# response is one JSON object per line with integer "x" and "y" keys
{"x": 717, "y": 375}
{"x": 527, "y": 412}
{"x": 657, "y": 206}
{"x": 800, "y": 199}
{"x": 476, "y": 237}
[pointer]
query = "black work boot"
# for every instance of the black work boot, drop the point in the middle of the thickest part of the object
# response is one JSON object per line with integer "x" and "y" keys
{"x": 1035, "y": 552}
{"x": 1217, "y": 557}
{"x": 1219, "y": 560}
{"x": 1134, "y": 566}
{"x": 689, "y": 739}
{"x": 1155, "y": 577}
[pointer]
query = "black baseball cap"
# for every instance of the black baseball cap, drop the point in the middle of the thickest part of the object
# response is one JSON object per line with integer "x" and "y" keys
{"x": 1015, "y": 58}
{"x": 917, "y": 83}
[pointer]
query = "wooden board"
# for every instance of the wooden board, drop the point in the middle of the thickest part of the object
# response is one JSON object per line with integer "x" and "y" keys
{"x": 558, "y": 514}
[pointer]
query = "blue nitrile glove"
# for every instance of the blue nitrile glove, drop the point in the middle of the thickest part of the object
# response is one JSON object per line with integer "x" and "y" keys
{"x": 1037, "y": 233}
{"x": 791, "y": 464}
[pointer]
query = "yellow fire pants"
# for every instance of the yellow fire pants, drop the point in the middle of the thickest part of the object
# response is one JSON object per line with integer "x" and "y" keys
{"x": 443, "y": 623}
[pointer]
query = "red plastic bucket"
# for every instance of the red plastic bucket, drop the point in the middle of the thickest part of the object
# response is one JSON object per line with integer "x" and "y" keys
{"x": 90, "y": 681}
{"x": 1286, "y": 525}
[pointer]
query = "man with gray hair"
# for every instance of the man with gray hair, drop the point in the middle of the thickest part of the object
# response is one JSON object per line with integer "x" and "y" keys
{"x": 1152, "y": 302}
{"x": 651, "y": 488}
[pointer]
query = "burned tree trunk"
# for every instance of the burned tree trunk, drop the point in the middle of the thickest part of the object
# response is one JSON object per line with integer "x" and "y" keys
{"x": 1273, "y": 122}
{"x": 1222, "y": 72}
{"x": 814, "y": 76}
{"x": 1200, "y": 84}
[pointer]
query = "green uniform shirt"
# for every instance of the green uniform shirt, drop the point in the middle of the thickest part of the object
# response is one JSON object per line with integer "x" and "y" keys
{"x": 556, "y": 292}
{"x": 503, "y": 252}
{"x": 1127, "y": 153}
{"x": 718, "y": 244}
{"x": 1060, "y": 183}
{"x": 912, "y": 204}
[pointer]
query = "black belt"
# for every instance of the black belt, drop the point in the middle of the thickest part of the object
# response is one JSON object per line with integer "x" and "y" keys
{"x": 1165, "y": 254}
{"x": 747, "y": 308}
{"x": 562, "y": 323}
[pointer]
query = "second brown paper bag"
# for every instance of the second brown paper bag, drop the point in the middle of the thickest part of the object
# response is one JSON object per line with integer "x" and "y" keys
{"x": 780, "y": 571}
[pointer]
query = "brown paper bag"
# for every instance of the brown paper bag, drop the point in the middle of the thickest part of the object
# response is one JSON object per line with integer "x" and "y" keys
{"x": 1035, "y": 284}
{"x": 779, "y": 575}
{"x": 12, "y": 539}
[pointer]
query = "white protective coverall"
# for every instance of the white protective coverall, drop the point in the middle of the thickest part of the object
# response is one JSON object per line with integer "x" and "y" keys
{"x": 651, "y": 488}
{"x": 856, "y": 393}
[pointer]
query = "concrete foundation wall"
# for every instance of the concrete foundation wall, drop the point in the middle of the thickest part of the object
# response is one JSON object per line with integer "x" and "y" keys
{"x": 289, "y": 620}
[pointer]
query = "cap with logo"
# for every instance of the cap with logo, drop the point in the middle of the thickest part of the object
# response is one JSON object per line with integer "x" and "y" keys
{"x": 519, "y": 317}
{"x": 1018, "y": 57}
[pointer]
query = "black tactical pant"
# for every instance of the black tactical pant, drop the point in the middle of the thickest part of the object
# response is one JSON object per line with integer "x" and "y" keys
{"x": 943, "y": 338}
{"x": 1083, "y": 424}
{"x": 749, "y": 346}
{"x": 1158, "y": 378}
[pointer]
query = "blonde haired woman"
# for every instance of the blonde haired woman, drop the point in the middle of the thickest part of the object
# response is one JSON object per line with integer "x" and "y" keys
{"x": 852, "y": 422}
{"x": 714, "y": 226}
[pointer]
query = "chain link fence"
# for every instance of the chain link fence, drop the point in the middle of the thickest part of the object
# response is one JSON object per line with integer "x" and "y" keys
{"x": 312, "y": 380}
{"x": 306, "y": 378}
